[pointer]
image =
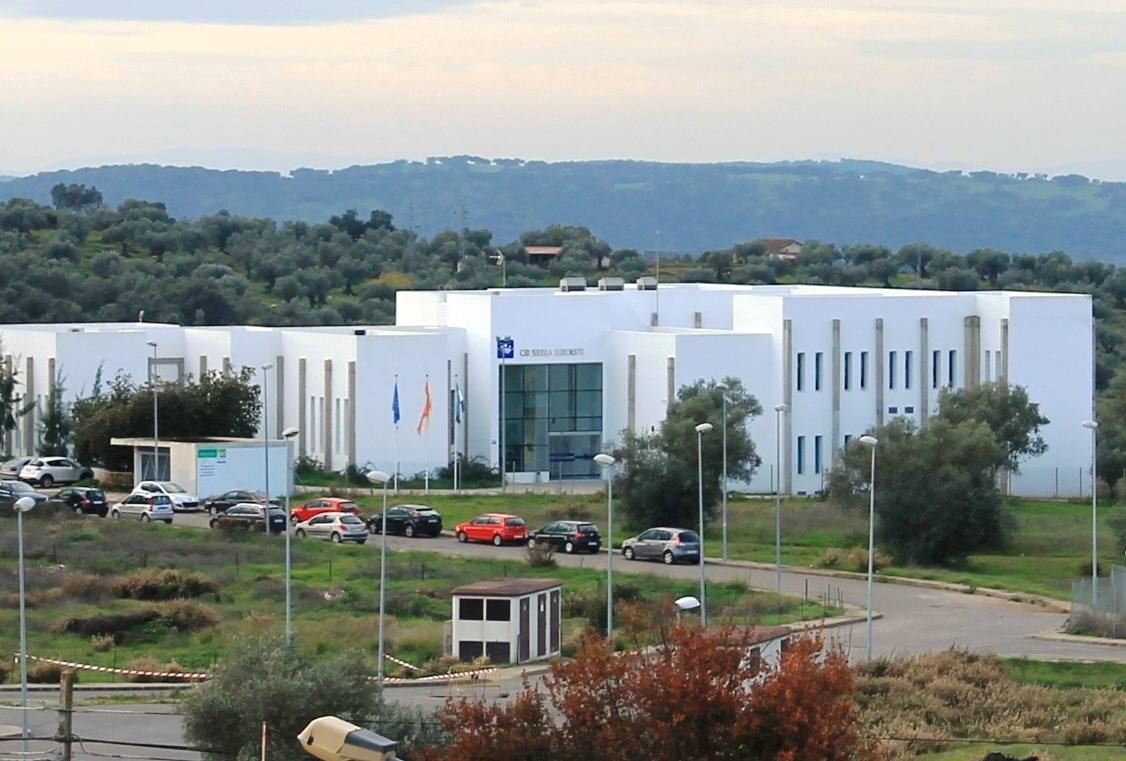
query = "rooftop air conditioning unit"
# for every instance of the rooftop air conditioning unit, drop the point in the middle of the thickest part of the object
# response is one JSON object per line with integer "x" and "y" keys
{"x": 569, "y": 284}
{"x": 611, "y": 284}
{"x": 647, "y": 284}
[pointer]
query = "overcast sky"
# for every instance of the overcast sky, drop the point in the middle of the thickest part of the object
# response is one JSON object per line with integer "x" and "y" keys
{"x": 1034, "y": 85}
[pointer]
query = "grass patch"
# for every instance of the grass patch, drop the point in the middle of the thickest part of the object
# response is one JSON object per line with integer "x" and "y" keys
{"x": 1066, "y": 674}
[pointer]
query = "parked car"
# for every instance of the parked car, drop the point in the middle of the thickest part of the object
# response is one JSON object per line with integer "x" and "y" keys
{"x": 408, "y": 520}
{"x": 144, "y": 507}
{"x": 219, "y": 503}
{"x": 249, "y": 516}
{"x": 667, "y": 544}
{"x": 321, "y": 505}
{"x": 10, "y": 491}
{"x": 48, "y": 471}
{"x": 81, "y": 500}
{"x": 182, "y": 501}
{"x": 10, "y": 469}
{"x": 497, "y": 528}
{"x": 570, "y": 536}
{"x": 335, "y": 527}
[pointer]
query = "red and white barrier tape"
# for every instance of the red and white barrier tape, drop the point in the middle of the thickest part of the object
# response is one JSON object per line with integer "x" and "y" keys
{"x": 190, "y": 676}
{"x": 404, "y": 664}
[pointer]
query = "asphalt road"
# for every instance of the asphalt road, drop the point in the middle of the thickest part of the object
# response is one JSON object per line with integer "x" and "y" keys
{"x": 914, "y": 619}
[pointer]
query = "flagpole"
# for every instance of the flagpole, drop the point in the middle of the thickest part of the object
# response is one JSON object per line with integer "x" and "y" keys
{"x": 457, "y": 421}
{"x": 395, "y": 438}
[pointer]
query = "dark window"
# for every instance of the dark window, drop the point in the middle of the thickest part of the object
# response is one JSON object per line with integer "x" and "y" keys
{"x": 816, "y": 454}
{"x": 909, "y": 410}
{"x": 891, "y": 369}
{"x": 471, "y": 610}
{"x": 801, "y": 455}
{"x": 863, "y": 369}
{"x": 817, "y": 371}
{"x": 936, "y": 372}
{"x": 689, "y": 537}
{"x": 471, "y": 650}
{"x": 801, "y": 370}
{"x": 498, "y": 610}
{"x": 951, "y": 364}
{"x": 893, "y": 410}
{"x": 907, "y": 369}
{"x": 847, "y": 370}
{"x": 498, "y": 652}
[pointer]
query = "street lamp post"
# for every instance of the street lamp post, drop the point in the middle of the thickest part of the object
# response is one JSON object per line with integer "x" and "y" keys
{"x": 22, "y": 505}
{"x": 723, "y": 387}
{"x": 872, "y": 442}
{"x": 288, "y": 434}
{"x": 607, "y": 462}
{"x": 379, "y": 477}
{"x": 779, "y": 411}
{"x": 155, "y": 418}
{"x": 266, "y": 443}
{"x": 701, "y": 429}
{"x": 1094, "y": 428}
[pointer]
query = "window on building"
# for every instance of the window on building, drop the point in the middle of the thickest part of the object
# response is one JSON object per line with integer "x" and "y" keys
{"x": 988, "y": 365}
{"x": 936, "y": 367}
{"x": 951, "y": 365}
{"x": 863, "y": 369}
{"x": 847, "y": 370}
{"x": 816, "y": 454}
{"x": 313, "y": 423}
{"x": 907, "y": 357}
{"x": 847, "y": 440}
{"x": 817, "y": 361}
{"x": 893, "y": 410}
{"x": 801, "y": 371}
{"x": 997, "y": 361}
{"x": 321, "y": 430}
{"x": 892, "y": 359}
{"x": 336, "y": 428}
{"x": 909, "y": 410}
{"x": 498, "y": 610}
{"x": 469, "y": 609}
{"x": 801, "y": 455}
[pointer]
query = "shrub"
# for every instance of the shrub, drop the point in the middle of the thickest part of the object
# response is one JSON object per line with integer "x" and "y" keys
{"x": 115, "y": 625}
{"x": 188, "y": 616}
{"x": 830, "y": 558}
{"x": 160, "y": 585}
{"x": 145, "y": 663}
{"x": 46, "y": 673}
{"x": 858, "y": 560}
{"x": 87, "y": 587}
{"x": 572, "y": 510}
{"x": 1117, "y": 524}
{"x": 540, "y": 555}
{"x": 5, "y": 669}
{"x": 101, "y": 643}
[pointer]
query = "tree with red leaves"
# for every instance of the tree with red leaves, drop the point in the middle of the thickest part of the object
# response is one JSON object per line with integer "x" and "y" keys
{"x": 698, "y": 695}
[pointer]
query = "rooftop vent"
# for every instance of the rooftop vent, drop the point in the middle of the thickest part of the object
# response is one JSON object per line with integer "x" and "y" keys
{"x": 360, "y": 332}
{"x": 647, "y": 284}
{"x": 611, "y": 284}
{"x": 568, "y": 284}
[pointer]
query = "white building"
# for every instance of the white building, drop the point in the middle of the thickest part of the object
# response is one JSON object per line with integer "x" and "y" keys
{"x": 588, "y": 364}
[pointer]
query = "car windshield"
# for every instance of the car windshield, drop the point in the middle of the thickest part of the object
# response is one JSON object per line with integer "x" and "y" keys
{"x": 14, "y": 463}
{"x": 95, "y": 494}
{"x": 587, "y": 528}
{"x": 514, "y": 522}
{"x": 173, "y": 488}
{"x": 276, "y": 511}
{"x": 161, "y": 499}
{"x": 350, "y": 519}
{"x": 347, "y": 506}
{"x": 689, "y": 537}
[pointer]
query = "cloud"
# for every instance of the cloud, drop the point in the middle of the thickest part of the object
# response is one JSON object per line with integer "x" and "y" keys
{"x": 258, "y": 12}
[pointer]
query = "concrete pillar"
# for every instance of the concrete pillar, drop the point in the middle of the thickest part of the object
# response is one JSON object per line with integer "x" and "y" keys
{"x": 202, "y": 366}
{"x": 836, "y": 440}
{"x": 302, "y": 413}
{"x": 924, "y": 372}
{"x": 785, "y": 476}
{"x": 670, "y": 383}
{"x": 631, "y": 393}
{"x": 226, "y": 365}
{"x": 31, "y": 420}
{"x": 1003, "y": 376}
{"x": 878, "y": 371}
{"x": 279, "y": 393}
{"x": 972, "y": 350}
{"x": 350, "y": 417}
{"x": 50, "y": 374}
{"x": 328, "y": 415}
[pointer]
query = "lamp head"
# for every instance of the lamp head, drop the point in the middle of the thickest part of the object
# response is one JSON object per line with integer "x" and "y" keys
{"x": 687, "y": 603}
{"x": 267, "y": 368}
{"x": 150, "y": 343}
{"x": 1090, "y": 424}
{"x": 868, "y": 441}
{"x": 604, "y": 459}
{"x": 704, "y": 427}
{"x": 290, "y": 432}
{"x": 377, "y": 476}
{"x": 722, "y": 386}
{"x": 780, "y": 408}
{"x": 24, "y": 504}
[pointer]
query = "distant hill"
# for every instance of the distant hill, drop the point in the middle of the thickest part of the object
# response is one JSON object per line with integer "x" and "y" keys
{"x": 695, "y": 207}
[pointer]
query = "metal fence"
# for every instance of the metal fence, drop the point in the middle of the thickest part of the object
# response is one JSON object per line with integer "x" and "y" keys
{"x": 1107, "y": 616}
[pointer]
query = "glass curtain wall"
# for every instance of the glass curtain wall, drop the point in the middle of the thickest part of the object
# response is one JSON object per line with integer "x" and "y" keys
{"x": 553, "y": 419}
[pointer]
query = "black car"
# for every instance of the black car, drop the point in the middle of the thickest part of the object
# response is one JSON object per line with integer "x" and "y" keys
{"x": 569, "y": 536}
{"x": 10, "y": 491}
{"x": 248, "y": 517}
{"x": 220, "y": 503}
{"x": 408, "y": 520}
{"x": 80, "y": 500}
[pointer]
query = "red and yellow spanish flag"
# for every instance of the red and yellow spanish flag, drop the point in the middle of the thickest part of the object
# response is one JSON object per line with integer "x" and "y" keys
{"x": 424, "y": 418}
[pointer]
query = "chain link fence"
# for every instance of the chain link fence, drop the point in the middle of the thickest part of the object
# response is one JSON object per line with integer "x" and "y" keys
{"x": 1104, "y": 615}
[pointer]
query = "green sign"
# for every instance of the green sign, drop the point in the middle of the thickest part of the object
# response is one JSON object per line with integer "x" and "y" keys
{"x": 210, "y": 453}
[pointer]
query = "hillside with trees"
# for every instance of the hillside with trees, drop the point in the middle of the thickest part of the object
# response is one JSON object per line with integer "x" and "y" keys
{"x": 648, "y": 205}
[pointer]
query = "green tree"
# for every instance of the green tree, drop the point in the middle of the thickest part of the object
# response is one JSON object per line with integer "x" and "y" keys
{"x": 11, "y": 407}
{"x": 1014, "y": 418}
{"x": 75, "y": 197}
{"x": 936, "y": 493}
{"x": 55, "y": 427}
{"x": 1112, "y": 432}
{"x": 658, "y": 481}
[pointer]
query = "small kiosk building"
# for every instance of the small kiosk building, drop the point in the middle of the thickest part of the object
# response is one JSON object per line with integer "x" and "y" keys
{"x": 507, "y": 620}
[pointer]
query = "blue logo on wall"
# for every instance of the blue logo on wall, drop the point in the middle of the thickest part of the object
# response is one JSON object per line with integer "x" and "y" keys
{"x": 506, "y": 348}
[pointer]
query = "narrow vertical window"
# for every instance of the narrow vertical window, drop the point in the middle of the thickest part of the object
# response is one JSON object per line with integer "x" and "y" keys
{"x": 817, "y": 371}
{"x": 863, "y": 369}
{"x": 907, "y": 356}
{"x": 892, "y": 358}
{"x": 847, "y": 370}
{"x": 936, "y": 365}
{"x": 816, "y": 454}
{"x": 847, "y": 440}
{"x": 951, "y": 364}
{"x": 801, "y": 455}
{"x": 997, "y": 359}
{"x": 988, "y": 366}
{"x": 801, "y": 370}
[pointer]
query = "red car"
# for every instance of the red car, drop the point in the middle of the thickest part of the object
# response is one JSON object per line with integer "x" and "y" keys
{"x": 497, "y": 528}
{"x": 320, "y": 505}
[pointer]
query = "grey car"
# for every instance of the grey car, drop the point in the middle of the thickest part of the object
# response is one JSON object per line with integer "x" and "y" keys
{"x": 669, "y": 545}
{"x": 335, "y": 527}
{"x": 10, "y": 469}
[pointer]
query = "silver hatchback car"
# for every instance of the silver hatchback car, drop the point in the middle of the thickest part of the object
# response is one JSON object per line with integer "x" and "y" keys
{"x": 335, "y": 527}
{"x": 48, "y": 471}
{"x": 669, "y": 545}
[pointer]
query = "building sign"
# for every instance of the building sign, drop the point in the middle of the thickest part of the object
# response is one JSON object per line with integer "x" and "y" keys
{"x": 209, "y": 460}
{"x": 506, "y": 348}
{"x": 551, "y": 352}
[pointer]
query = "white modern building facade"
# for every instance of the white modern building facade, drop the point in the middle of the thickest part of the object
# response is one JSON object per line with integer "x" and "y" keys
{"x": 583, "y": 365}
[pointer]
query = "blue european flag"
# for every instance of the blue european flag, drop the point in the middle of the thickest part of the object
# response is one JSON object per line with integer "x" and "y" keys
{"x": 395, "y": 404}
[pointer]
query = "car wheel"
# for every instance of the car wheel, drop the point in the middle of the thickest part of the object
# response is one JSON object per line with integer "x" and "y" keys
{"x": 497, "y": 541}
{"x": 408, "y": 531}
{"x": 213, "y": 522}
{"x": 532, "y": 542}
{"x": 212, "y": 512}
{"x": 461, "y": 537}
{"x": 627, "y": 553}
{"x": 145, "y": 518}
{"x": 78, "y": 510}
{"x": 669, "y": 559}
{"x": 335, "y": 538}
{"x": 569, "y": 547}
{"x": 46, "y": 481}
{"x": 115, "y": 515}
{"x": 300, "y": 533}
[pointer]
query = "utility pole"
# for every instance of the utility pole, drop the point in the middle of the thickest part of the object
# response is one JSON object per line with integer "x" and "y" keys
{"x": 65, "y": 733}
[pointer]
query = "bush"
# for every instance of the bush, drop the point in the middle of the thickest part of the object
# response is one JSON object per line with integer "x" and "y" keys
{"x": 540, "y": 555}
{"x": 573, "y": 510}
{"x": 305, "y": 466}
{"x": 5, "y": 669}
{"x": 188, "y": 616}
{"x": 1117, "y": 524}
{"x": 180, "y": 616}
{"x": 858, "y": 560}
{"x": 160, "y": 585}
{"x": 101, "y": 643}
{"x": 87, "y": 587}
{"x": 46, "y": 673}
{"x": 145, "y": 663}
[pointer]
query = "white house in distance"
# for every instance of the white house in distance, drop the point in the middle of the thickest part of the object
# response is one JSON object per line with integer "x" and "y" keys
{"x": 507, "y": 620}
{"x": 586, "y": 364}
